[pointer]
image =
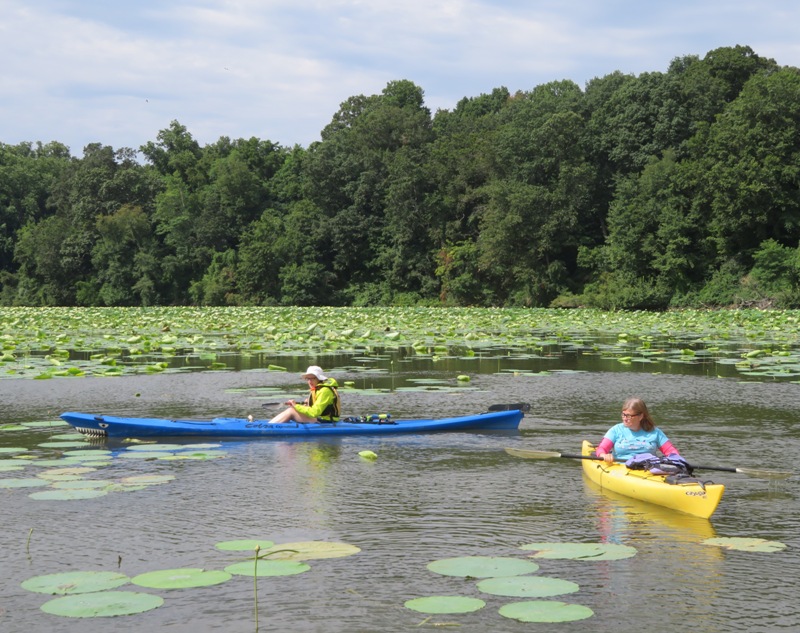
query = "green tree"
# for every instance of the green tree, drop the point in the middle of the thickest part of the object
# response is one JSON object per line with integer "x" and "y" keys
{"x": 752, "y": 167}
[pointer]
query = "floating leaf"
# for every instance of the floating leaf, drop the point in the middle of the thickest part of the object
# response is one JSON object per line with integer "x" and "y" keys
{"x": 527, "y": 586}
{"x": 63, "y": 444}
{"x": 445, "y": 604}
{"x": 156, "y": 447}
{"x": 75, "y": 582}
{"x": 180, "y": 578}
{"x": 67, "y": 495}
{"x": 581, "y": 551}
{"x": 60, "y": 472}
{"x": 79, "y": 484}
{"x": 482, "y": 566}
{"x": 368, "y": 455}
{"x": 746, "y": 544}
{"x": 545, "y": 611}
{"x": 146, "y": 479}
{"x": 103, "y": 604}
{"x": 144, "y": 454}
{"x": 268, "y": 568}
{"x": 242, "y": 545}
{"x": 22, "y": 483}
{"x": 310, "y": 550}
{"x": 45, "y": 423}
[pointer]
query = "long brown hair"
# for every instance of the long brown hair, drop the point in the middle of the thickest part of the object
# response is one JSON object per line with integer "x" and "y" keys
{"x": 638, "y": 405}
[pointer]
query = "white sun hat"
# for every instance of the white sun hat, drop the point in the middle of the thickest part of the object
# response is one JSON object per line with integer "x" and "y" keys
{"x": 315, "y": 371}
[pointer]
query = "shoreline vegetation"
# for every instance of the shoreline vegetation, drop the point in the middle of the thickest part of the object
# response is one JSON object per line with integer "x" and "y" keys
{"x": 43, "y": 343}
{"x": 660, "y": 190}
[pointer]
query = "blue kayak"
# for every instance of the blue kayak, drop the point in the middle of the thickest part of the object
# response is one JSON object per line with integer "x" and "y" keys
{"x": 498, "y": 418}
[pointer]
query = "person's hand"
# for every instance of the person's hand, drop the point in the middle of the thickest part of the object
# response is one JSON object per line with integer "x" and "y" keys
{"x": 290, "y": 403}
{"x": 608, "y": 458}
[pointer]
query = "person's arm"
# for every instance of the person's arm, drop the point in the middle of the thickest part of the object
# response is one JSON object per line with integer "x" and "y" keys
{"x": 322, "y": 399}
{"x": 604, "y": 447}
{"x": 668, "y": 449}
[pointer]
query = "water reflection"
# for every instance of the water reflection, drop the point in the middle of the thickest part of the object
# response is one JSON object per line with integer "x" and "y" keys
{"x": 678, "y": 576}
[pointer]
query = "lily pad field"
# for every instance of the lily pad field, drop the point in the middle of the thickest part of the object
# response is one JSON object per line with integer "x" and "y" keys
{"x": 386, "y": 533}
{"x": 42, "y": 343}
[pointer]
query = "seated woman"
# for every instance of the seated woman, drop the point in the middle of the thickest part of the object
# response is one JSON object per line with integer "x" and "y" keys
{"x": 636, "y": 434}
{"x": 323, "y": 402}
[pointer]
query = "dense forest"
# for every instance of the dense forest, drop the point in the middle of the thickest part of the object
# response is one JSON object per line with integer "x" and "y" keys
{"x": 666, "y": 189}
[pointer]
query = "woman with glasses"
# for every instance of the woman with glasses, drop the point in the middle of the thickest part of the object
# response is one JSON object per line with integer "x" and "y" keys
{"x": 636, "y": 434}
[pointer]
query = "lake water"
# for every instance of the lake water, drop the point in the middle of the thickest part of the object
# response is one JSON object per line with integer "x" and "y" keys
{"x": 425, "y": 498}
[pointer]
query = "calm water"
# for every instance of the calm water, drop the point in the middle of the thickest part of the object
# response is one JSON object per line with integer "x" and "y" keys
{"x": 425, "y": 498}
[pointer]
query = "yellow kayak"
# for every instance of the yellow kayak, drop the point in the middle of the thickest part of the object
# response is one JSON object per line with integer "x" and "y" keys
{"x": 693, "y": 498}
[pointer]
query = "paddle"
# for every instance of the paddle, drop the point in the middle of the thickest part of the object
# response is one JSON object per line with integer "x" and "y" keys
{"x": 750, "y": 472}
{"x": 280, "y": 402}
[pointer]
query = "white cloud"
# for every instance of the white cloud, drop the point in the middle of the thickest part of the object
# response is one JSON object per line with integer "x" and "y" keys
{"x": 91, "y": 71}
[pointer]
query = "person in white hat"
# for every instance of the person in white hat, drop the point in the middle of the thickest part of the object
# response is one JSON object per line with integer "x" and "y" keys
{"x": 323, "y": 402}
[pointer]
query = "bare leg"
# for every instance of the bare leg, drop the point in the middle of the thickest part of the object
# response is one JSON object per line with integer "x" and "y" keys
{"x": 290, "y": 414}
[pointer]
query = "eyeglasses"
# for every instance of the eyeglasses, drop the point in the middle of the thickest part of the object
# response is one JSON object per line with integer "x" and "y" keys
{"x": 631, "y": 415}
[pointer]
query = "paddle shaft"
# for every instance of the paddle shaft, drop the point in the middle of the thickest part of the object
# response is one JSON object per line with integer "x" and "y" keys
{"x": 750, "y": 472}
{"x": 726, "y": 469}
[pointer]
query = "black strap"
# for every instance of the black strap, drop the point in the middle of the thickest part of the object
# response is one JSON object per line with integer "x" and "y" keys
{"x": 519, "y": 406}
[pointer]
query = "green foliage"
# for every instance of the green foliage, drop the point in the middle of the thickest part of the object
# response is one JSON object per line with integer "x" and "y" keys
{"x": 665, "y": 189}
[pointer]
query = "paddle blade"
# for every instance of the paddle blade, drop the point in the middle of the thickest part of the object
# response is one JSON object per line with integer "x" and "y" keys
{"x": 531, "y": 454}
{"x": 765, "y": 474}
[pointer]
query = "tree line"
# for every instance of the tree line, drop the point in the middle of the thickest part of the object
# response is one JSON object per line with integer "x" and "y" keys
{"x": 666, "y": 189}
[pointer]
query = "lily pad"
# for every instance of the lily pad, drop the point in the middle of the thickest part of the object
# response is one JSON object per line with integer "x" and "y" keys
{"x": 44, "y": 424}
{"x": 200, "y": 455}
{"x": 309, "y": 550}
{"x": 54, "y": 473}
{"x": 180, "y": 578}
{"x": 143, "y": 454}
{"x": 12, "y": 449}
{"x": 244, "y": 544}
{"x": 267, "y": 568}
{"x": 746, "y": 544}
{"x": 62, "y": 444}
{"x": 156, "y": 447}
{"x": 545, "y": 611}
{"x": 445, "y": 604}
{"x": 75, "y": 582}
{"x": 80, "y": 484}
{"x": 136, "y": 480}
{"x": 527, "y": 586}
{"x": 581, "y": 551}
{"x": 22, "y": 483}
{"x": 67, "y": 495}
{"x": 482, "y": 566}
{"x": 103, "y": 604}
{"x": 88, "y": 452}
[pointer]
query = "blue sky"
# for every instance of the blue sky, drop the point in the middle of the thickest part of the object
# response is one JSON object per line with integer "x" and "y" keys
{"x": 117, "y": 72}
